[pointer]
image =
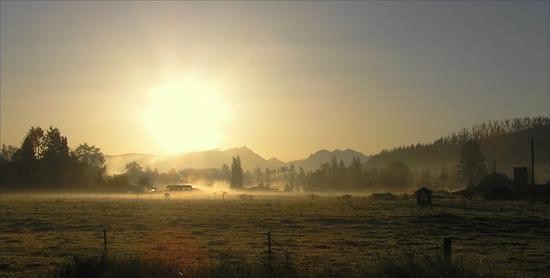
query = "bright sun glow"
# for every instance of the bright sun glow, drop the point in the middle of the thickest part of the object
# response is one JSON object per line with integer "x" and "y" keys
{"x": 186, "y": 115}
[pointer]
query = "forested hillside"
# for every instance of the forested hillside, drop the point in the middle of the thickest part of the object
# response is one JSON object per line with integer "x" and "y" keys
{"x": 506, "y": 142}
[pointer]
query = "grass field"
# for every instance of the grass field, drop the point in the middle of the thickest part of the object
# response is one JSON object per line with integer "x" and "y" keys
{"x": 41, "y": 231}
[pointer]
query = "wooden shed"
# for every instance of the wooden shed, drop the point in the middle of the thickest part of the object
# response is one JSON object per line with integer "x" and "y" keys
{"x": 423, "y": 196}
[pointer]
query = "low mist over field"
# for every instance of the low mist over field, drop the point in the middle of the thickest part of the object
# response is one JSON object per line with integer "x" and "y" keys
{"x": 274, "y": 139}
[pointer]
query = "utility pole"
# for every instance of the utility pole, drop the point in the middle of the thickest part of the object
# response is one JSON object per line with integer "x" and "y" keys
{"x": 532, "y": 168}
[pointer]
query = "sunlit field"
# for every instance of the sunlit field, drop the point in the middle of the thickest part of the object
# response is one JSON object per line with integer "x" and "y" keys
{"x": 40, "y": 231}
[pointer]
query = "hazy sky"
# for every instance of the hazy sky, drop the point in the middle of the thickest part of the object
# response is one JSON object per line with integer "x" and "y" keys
{"x": 289, "y": 78}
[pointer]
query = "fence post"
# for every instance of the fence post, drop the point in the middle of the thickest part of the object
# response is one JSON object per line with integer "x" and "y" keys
{"x": 105, "y": 242}
{"x": 300, "y": 208}
{"x": 447, "y": 249}
{"x": 269, "y": 246}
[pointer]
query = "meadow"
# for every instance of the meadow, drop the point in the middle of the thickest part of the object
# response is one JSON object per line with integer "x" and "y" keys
{"x": 38, "y": 232}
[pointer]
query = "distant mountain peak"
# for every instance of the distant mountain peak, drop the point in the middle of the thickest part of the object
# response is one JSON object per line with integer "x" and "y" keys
{"x": 274, "y": 159}
{"x": 314, "y": 160}
{"x": 237, "y": 149}
{"x": 216, "y": 158}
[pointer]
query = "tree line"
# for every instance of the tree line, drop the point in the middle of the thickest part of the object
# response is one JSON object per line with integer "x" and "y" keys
{"x": 44, "y": 160}
{"x": 506, "y": 142}
{"x": 493, "y": 129}
{"x": 359, "y": 176}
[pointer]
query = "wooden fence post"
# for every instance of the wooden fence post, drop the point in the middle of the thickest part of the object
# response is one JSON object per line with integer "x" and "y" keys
{"x": 269, "y": 246}
{"x": 105, "y": 242}
{"x": 300, "y": 208}
{"x": 447, "y": 249}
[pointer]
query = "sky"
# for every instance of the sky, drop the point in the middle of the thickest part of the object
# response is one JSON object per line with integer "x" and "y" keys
{"x": 284, "y": 79}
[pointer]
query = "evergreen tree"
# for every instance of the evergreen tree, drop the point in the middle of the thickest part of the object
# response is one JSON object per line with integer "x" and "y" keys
{"x": 259, "y": 179}
{"x": 396, "y": 176}
{"x": 425, "y": 179}
{"x": 355, "y": 173}
{"x": 26, "y": 158}
{"x": 292, "y": 177}
{"x": 444, "y": 178}
{"x": 6, "y": 165}
{"x": 226, "y": 173}
{"x": 56, "y": 160}
{"x": 267, "y": 177}
{"x": 236, "y": 173}
{"x": 301, "y": 177}
{"x": 471, "y": 167}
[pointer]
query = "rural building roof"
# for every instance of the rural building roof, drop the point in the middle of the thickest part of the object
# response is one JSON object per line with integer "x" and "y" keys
{"x": 495, "y": 178}
{"x": 423, "y": 190}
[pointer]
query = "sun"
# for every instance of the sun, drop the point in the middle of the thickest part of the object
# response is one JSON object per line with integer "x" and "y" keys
{"x": 186, "y": 115}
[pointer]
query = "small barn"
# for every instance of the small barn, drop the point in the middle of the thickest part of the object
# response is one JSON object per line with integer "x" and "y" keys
{"x": 495, "y": 186}
{"x": 423, "y": 196}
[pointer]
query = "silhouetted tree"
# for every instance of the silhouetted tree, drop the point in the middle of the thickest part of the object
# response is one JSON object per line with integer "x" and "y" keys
{"x": 144, "y": 183}
{"x": 424, "y": 179}
{"x": 118, "y": 183}
{"x": 226, "y": 172}
{"x": 355, "y": 173}
{"x": 134, "y": 171}
{"x": 91, "y": 163}
{"x": 236, "y": 173}
{"x": 7, "y": 173}
{"x": 259, "y": 179}
{"x": 371, "y": 177}
{"x": 268, "y": 174}
{"x": 302, "y": 178}
{"x": 444, "y": 178}
{"x": 26, "y": 158}
{"x": 396, "y": 176}
{"x": 291, "y": 178}
{"x": 471, "y": 167}
{"x": 56, "y": 160}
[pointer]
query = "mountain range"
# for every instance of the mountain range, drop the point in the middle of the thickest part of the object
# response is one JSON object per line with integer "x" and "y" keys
{"x": 504, "y": 144}
{"x": 216, "y": 158}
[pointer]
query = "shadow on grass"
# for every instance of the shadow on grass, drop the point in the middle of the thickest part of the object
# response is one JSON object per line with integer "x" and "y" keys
{"x": 402, "y": 264}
